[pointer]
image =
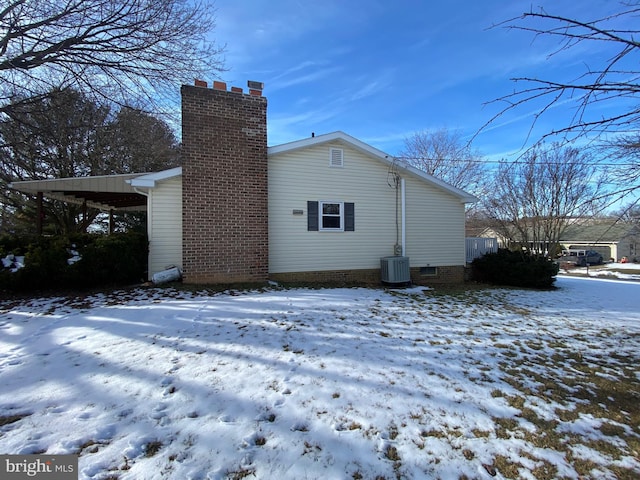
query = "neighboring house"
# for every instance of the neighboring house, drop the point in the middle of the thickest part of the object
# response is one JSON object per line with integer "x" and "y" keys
{"x": 611, "y": 240}
{"x": 324, "y": 208}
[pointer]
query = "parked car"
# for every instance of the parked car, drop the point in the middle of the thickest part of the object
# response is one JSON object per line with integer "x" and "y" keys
{"x": 580, "y": 258}
{"x": 592, "y": 258}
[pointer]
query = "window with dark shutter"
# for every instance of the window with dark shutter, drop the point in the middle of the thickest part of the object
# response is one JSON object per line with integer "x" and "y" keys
{"x": 349, "y": 217}
{"x": 312, "y": 216}
{"x": 327, "y": 216}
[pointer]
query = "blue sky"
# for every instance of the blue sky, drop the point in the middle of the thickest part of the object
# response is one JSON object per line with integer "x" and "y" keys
{"x": 381, "y": 70}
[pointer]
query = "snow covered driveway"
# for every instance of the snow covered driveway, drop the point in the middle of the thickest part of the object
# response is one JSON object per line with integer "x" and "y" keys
{"x": 329, "y": 383}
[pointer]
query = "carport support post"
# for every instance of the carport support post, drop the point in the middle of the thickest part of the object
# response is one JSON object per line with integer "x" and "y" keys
{"x": 39, "y": 213}
{"x": 111, "y": 221}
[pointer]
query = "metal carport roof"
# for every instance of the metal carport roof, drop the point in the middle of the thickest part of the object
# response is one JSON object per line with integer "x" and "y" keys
{"x": 105, "y": 192}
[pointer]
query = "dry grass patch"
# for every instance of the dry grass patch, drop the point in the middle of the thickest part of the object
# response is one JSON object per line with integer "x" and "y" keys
{"x": 152, "y": 448}
{"x": 581, "y": 385}
{"x": 8, "y": 419}
{"x": 241, "y": 473}
{"x": 391, "y": 453}
{"x": 433, "y": 433}
{"x": 506, "y": 467}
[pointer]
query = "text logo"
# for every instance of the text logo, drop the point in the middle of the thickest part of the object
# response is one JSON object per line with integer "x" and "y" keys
{"x": 49, "y": 467}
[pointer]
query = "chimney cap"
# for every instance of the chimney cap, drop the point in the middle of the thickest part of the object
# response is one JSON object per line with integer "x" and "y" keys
{"x": 255, "y": 85}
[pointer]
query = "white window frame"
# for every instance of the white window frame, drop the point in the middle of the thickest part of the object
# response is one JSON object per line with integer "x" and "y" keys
{"x": 321, "y": 215}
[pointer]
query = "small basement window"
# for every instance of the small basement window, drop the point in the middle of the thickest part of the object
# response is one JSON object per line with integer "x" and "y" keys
{"x": 428, "y": 271}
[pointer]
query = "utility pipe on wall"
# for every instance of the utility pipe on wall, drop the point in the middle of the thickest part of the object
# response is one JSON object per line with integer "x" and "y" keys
{"x": 404, "y": 217}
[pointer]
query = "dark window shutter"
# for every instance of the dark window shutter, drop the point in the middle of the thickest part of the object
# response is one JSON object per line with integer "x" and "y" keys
{"x": 349, "y": 217}
{"x": 312, "y": 216}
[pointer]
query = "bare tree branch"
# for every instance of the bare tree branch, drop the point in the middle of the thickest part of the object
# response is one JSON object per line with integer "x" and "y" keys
{"x": 617, "y": 78}
{"x": 64, "y": 134}
{"x": 535, "y": 199}
{"x": 120, "y": 50}
{"x": 443, "y": 154}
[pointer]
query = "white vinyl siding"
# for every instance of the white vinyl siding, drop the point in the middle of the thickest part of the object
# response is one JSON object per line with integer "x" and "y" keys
{"x": 434, "y": 226}
{"x": 165, "y": 225}
{"x": 434, "y": 237}
{"x": 304, "y": 175}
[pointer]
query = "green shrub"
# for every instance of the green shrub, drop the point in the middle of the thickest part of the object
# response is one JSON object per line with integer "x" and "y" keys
{"x": 516, "y": 269}
{"x": 105, "y": 260}
{"x": 45, "y": 263}
{"x": 117, "y": 259}
{"x": 15, "y": 245}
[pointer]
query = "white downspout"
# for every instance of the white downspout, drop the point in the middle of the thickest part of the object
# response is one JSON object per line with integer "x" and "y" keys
{"x": 404, "y": 216}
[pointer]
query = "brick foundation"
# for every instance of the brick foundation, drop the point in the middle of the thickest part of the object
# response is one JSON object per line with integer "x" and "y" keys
{"x": 369, "y": 277}
{"x": 445, "y": 275}
{"x": 224, "y": 185}
{"x": 339, "y": 277}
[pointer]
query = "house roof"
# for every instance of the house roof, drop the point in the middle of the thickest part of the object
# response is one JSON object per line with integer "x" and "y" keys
{"x": 122, "y": 192}
{"x": 149, "y": 180}
{"x": 599, "y": 232}
{"x": 103, "y": 192}
{"x": 389, "y": 160}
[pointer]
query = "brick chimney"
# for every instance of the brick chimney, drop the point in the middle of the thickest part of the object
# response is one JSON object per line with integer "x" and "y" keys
{"x": 224, "y": 184}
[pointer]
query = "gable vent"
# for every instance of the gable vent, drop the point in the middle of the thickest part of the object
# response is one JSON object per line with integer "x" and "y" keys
{"x": 336, "y": 157}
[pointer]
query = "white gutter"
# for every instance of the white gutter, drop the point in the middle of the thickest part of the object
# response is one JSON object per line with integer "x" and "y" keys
{"x": 404, "y": 216}
{"x": 137, "y": 190}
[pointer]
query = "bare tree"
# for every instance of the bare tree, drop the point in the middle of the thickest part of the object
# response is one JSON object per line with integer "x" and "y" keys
{"x": 630, "y": 213}
{"x": 624, "y": 151}
{"x": 53, "y": 137}
{"x": 445, "y": 155}
{"x": 615, "y": 79}
{"x": 139, "y": 142}
{"x": 533, "y": 200}
{"x": 119, "y": 50}
{"x": 603, "y": 94}
{"x": 65, "y": 134}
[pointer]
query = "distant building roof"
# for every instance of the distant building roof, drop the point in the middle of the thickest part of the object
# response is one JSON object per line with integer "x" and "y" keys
{"x": 599, "y": 232}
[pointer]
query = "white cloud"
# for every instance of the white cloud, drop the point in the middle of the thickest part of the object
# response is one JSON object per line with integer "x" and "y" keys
{"x": 281, "y": 81}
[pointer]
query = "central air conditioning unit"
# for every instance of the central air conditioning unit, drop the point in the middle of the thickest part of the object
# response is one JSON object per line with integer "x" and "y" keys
{"x": 395, "y": 269}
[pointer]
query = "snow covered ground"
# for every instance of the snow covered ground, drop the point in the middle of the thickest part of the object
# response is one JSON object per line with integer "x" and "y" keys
{"x": 329, "y": 383}
{"x": 623, "y": 271}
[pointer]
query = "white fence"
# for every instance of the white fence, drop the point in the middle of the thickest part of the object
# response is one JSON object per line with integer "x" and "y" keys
{"x": 478, "y": 246}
